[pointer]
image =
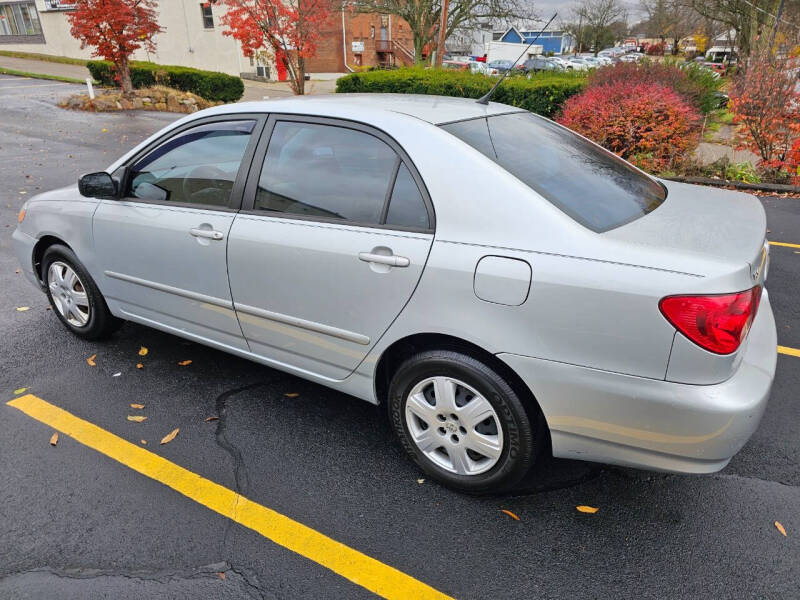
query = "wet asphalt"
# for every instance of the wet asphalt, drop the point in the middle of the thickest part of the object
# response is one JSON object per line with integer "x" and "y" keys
{"x": 76, "y": 524}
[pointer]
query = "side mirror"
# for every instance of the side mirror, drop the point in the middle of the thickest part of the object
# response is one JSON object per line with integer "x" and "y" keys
{"x": 97, "y": 185}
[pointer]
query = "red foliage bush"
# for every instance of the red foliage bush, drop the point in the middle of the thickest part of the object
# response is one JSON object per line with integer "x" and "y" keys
{"x": 766, "y": 106}
{"x": 696, "y": 87}
{"x": 645, "y": 123}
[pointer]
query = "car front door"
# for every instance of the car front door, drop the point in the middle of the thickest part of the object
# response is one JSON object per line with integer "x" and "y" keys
{"x": 162, "y": 247}
{"x": 332, "y": 239}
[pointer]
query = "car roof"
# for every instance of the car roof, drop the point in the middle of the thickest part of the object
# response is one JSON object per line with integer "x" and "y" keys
{"x": 432, "y": 109}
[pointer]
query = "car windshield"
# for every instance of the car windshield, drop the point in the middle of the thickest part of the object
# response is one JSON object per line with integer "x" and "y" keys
{"x": 593, "y": 186}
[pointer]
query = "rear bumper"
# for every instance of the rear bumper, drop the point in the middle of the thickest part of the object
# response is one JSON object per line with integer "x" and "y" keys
{"x": 23, "y": 248}
{"x": 633, "y": 421}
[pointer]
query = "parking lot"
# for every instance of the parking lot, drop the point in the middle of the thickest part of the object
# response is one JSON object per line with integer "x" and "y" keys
{"x": 278, "y": 488}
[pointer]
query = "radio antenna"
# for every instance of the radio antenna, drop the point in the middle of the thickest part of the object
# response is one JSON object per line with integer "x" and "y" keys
{"x": 485, "y": 98}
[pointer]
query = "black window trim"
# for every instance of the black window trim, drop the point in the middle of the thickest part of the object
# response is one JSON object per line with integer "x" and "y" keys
{"x": 251, "y": 188}
{"x": 237, "y": 191}
{"x": 204, "y": 16}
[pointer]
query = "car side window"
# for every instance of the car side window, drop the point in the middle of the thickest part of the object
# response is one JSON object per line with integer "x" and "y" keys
{"x": 406, "y": 206}
{"x": 325, "y": 171}
{"x": 197, "y": 166}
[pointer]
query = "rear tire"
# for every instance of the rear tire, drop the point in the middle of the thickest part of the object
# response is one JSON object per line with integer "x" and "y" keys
{"x": 461, "y": 422}
{"x": 74, "y": 295}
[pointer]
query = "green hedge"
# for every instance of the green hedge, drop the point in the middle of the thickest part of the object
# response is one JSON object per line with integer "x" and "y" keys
{"x": 544, "y": 93}
{"x": 211, "y": 85}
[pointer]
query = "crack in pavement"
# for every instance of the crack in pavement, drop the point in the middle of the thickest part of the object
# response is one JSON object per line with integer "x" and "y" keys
{"x": 242, "y": 577}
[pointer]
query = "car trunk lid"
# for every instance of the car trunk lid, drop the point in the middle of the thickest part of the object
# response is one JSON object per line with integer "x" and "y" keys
{"x": 701, "y": 222}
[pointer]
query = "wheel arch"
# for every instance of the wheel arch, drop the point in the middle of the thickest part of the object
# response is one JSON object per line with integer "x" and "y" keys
{"x": 403, "y": 348}
{"x": 44, "y": 242}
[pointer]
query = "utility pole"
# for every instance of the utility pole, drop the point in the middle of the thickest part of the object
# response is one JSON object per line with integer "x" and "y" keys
{"x": 442, "y": 33}
{"x": 580, "y": 33}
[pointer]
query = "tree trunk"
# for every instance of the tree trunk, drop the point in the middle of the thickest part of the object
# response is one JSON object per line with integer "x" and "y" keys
{"x": 301, "y": 75}
{"x": 419, "y": 45}
{"x": 124, "y": 72}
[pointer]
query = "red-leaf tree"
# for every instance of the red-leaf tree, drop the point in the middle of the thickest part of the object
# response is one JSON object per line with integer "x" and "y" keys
{"x": 766, "y": 105}
{"x": 285, "y": 30}
{"x": 116, "y": 29}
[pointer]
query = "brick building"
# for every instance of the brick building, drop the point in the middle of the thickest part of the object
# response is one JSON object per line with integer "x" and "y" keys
{"x": 352, "y": 40}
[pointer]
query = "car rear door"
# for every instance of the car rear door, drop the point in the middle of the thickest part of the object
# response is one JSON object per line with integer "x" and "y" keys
{"x": 161, "y": 248}
{"x": 333, "y": 235}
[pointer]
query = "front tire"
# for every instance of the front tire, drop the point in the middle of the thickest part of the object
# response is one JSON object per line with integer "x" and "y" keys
{"x": 74, "y": 295}
{"x": 461, "y": 422}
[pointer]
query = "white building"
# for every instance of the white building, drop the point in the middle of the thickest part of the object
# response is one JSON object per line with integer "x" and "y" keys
{"x": 192, "y": 35}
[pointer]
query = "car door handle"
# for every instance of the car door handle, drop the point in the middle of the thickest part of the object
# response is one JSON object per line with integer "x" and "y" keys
{"x": 383, "y": 259}
{"x": 206, "y": 233}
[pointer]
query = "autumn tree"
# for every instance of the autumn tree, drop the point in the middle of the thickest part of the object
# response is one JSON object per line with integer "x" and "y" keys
{"x": 669, "y": 20}
{"x": 766, "y": 106}
{"x": 597, "y": 23}
{"x": 424, "y": 17}
{"x": 286, "y": 31}
{"x": 115, "y": 29}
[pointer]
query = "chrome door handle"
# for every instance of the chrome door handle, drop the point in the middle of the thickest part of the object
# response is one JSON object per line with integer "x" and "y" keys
{"x": 383, "y": 259}
{"x": 207, "y": 233}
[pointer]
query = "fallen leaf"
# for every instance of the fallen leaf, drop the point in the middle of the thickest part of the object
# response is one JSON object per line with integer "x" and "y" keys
{"x": 510, "y": 514}
{"x": 420, "y": 481}
{"x": 587, "y": 509}
{"x": 90, "y": 360}
{"x": 116, "y": 374}
{"x": 209, "y": 419}
{"x": 221, "y": 576}
{"x": 780, "y": 528}
{"x": 170, "y": 436}
{"x": 183, "y": 363}
{"x": 292, "y": 395}
{"x": 103, "y": 130}
{"x": 19, "y": 391}
{"x": 17, "y": 271}
{"x": 144, "y": 442}
{"x": 139, "y": 366}
{"x": 136, "y": 418}
{"x": 142, "y": 351}
{"x": 23, "y": 308}
{"x": 54, "y": 441}
{"x": 137, "y": 405}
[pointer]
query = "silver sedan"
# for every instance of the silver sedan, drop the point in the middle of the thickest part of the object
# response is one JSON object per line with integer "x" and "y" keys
{"x": 503, "y": 286}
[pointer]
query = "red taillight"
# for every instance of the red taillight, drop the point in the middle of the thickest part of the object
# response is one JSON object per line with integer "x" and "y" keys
{"x": 717, "y": 323}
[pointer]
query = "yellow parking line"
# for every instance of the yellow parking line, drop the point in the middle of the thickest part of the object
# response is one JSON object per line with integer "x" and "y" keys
{"x": 351, "y": 564}
{"x": 789, "y": 351}
{"x": 784, "y": 244}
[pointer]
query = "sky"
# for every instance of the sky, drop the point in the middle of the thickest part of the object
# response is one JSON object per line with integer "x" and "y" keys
{"x": 546, "y": 8}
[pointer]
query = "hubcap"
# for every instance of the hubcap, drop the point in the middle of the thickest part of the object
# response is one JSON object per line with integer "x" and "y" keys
{"x": 68, "y": 293}
{"x": 454, "y": 426}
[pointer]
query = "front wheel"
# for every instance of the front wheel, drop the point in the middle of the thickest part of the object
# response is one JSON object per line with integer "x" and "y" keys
{"x": 74, "y": 296}
{"x": 461, "y": 422}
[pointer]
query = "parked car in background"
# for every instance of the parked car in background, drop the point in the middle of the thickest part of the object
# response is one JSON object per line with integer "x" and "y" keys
{"x": 563, "y": 61}
{"x": 633, "y": 57}
{"x": 498, "y": 299}
{"x": 454, "y": 65}
{"x": 579, "y": 64}
{"x": 498, "y": 67}
{"x": 541, "y": 63}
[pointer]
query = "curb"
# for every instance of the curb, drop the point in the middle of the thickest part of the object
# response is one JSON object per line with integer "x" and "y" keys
{"x": 740, "y": 185}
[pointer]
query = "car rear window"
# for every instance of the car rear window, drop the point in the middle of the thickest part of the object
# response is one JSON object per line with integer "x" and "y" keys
{"x": 595, "y": 187}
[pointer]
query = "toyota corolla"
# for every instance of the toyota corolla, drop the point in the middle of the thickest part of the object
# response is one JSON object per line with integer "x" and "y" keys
{"x": 502, "y": 285}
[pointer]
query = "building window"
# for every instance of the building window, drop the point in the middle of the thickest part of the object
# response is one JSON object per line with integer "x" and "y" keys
{"x": 19, "y": 22}
{"x": 208, "y": 16}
